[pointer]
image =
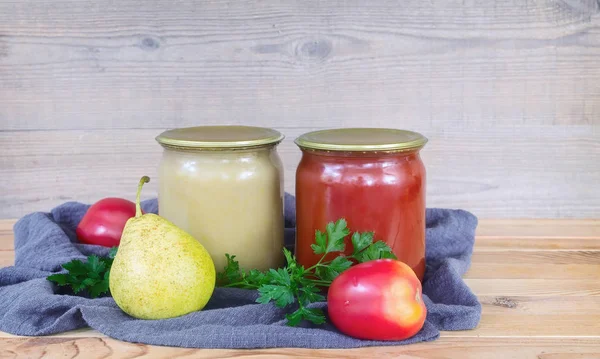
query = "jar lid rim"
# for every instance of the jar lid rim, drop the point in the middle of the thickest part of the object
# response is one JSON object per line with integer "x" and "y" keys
{"x": 361, "y": 139}
{"x": 219, "y": 137}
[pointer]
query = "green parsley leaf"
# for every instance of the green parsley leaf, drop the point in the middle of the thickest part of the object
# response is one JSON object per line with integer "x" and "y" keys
{"x": 91, "y": 277}
{"x": 387, "y": 255}
{"x": 76, "y": 267}
{"x": 311, "y": 294}
{"x": 361, "y": 241}
{"x": 296, "y": 284}
{"x": 113, "y": 252}
{"x": 78, "y": 286}
{"x": 336, "y": 232}
{"x": 282, "y": 295}
{"x": 377, "y": 250}
{"x": 89, "y": 282}
{"x": 95, "y": 266}
{"x": 280, "y": 276}
{"x": 99, "y": 288}
{"x": 294, "y": 318}
{"x": 321, "y": 243}
{"x": 330, "y": 271}
{"x": 107, "y": 263}
{"x": 60, "y": 279}
{"x": 233, "y": 276}
{"x": 314, "y": 315}
{"x": 231, "y": 272}
{"x": 255, "y": 276}
{"x": 289, "y": 257}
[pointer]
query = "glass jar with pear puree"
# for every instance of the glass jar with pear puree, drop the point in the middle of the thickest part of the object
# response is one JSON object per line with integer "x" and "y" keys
{"x": 224, "y": 186}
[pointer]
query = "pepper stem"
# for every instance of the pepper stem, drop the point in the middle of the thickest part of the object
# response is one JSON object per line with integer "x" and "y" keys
{"x": 138, "y": 208}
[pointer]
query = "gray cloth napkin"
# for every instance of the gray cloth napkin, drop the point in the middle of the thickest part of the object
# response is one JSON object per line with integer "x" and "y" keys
{"x": 32, "y": 306}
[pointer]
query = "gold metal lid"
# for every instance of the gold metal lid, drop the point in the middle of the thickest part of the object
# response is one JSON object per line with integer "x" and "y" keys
{"x": 361, "y": 140}
{"x": 219, "y": 137}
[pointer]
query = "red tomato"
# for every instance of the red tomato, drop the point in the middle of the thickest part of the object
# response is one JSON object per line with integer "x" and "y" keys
{"x": 104, "y": 221}
{"x": 377, "y": 300}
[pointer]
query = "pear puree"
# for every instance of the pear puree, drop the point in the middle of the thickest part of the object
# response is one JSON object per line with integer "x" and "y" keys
{"x": 230, "y": 201}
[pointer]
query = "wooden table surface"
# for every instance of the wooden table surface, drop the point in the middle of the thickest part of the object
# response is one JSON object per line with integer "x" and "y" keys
{"x": 538, "y": 281}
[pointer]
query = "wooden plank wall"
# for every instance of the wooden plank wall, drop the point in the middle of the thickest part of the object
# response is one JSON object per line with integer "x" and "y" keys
{"x": 508, "y": 92}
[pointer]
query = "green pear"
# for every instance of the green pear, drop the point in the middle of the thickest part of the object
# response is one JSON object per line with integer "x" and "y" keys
{"x": 160, "y": 271}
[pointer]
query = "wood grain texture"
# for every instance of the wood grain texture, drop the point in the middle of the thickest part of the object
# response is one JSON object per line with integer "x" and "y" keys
{"x": 506, "y": 230}
{"x": 507, "y": 92}
{"x": 83, "y": 65}
{"x": 542, "y": 236}
{"x": 41, "y": 169}
{"x": 536, "y": 265}
{"x": 529, "y": 309}
{"x": 444, "y": 348}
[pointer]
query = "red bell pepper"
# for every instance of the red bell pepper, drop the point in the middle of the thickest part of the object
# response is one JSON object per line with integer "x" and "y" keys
{"x": 104, "y": 221}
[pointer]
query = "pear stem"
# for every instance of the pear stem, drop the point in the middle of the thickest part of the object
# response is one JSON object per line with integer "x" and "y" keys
{"x": 138, "y": 208}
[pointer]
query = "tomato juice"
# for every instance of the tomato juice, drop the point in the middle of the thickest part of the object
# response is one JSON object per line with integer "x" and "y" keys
{"x": 375, "y": 188}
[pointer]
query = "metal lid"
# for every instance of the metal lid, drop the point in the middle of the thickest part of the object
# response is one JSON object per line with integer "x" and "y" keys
{"x": 361, "y": 140}
{"x": 219, "y": 137}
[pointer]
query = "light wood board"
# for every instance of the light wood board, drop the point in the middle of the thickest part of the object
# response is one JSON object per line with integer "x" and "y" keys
{"x": 538, "y": 301}
{"x": 507, "y": 92}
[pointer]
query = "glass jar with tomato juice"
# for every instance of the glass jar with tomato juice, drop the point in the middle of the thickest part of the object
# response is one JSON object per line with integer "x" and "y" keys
{"x": 372, "y": 177}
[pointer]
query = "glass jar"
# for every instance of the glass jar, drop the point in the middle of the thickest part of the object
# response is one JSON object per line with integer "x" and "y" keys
{"x": 224, "y": 186}
{"x": 372, "y": 177}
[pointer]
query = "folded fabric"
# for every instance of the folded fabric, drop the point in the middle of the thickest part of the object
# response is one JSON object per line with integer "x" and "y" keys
{"x": 30, "y": 305}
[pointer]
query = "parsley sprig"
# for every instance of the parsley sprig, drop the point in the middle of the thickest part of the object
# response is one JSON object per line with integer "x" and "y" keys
{"x": 287, "y": 286}
{"x": 89, "y": 277}
{"x": 294, "y": 284}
